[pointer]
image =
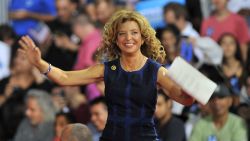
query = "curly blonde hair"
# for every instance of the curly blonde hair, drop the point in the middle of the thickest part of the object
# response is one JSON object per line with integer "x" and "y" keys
{"x": 151, "y": 48}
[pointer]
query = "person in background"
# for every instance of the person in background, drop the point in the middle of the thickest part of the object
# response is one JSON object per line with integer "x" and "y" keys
{"x": 104, "y": 9}
{"x": 62, "y": 120}
{"x": 169, "y": 127}
{"x": 76, "y": 132}
{"x": 224, "y": 21}
{"x": 77, "y": 103}
{"x": 40, "y": 117}
{"x": 64, "y": 44}
{"x": 27, "y": 14}
{"x": 13, "y": 90}
{"x": 170, "y": 39}
{"x": 221, "y": 124}
{"x": 175, "y": 13}
{"x": 7, "y": 40}
{"x": 91, "y": 39}
{"x": 232, "y": 64}
{"x": 99, "y": 114}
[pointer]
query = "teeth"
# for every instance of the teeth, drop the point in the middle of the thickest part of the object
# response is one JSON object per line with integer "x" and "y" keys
{"x": 129, "y": 44}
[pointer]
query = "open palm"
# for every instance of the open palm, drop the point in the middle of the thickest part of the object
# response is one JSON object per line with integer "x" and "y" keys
{"x": 29, "y": 48}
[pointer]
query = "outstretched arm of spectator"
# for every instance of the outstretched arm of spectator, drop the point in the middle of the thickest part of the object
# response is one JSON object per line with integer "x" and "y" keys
{"x": 89, "y": 75}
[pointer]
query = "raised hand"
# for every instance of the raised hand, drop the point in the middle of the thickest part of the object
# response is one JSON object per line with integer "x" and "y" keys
{"x": 31, "y": 51}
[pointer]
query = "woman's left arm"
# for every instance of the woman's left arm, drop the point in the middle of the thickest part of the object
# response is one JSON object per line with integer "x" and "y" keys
{"x": 174, "y": 91}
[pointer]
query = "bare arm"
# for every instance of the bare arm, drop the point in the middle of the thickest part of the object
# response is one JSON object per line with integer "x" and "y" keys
{"x": 81, "y": 77}
{"x": 174, "y": 91}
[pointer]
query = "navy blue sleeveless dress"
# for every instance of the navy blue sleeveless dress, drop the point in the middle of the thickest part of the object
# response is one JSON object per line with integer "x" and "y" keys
{"x": 131, "y": 99}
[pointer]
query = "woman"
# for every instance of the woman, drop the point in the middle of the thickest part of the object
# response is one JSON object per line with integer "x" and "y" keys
{"x": 232, "y": 65}
{"x": 13, "y": 90}
{"x": 223, "y": 21}
{"x": 130, "y": 76}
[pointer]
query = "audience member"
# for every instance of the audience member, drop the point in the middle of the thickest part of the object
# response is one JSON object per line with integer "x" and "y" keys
{"x": 7, "y": 40}
{"x": 40, "y": 115}
{"x": 64, "y": 43}
{"x": 221, "y": 124}
{"x": 175, "y": 13}
{"x": 232, "y": 64}
{"x": 169, "y": 127}
{"x": 90, "y": 37}
{"x": 104, "y": 10}
{"x": 27, "y": 14}
{"x": 76, "y": 132}
{"x": 223, "y": 21}
{"x": 61, "y": 121}
{"x": 99, "y": 113}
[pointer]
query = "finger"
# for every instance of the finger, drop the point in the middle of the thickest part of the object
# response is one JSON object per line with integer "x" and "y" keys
{"x": 27, "y": 42}
{"x": 31, "y": 41}
{"x": 23, "y": 45}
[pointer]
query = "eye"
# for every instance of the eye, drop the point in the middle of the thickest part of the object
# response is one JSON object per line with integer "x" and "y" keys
{"x": 134, "y": 32}
{"x": 121, "y": 33}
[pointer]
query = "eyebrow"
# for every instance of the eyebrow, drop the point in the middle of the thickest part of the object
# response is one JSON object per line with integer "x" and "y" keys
{"x": 129, "y": 30}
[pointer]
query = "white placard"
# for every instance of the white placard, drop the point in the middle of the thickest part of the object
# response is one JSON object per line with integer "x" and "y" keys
{"x": 191, "y": 80}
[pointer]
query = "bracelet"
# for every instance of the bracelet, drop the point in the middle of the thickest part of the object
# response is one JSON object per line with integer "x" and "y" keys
{"x": 49, "y": 69}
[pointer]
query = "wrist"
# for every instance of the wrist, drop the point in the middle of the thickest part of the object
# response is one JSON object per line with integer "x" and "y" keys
{"x": 42, "y": 66}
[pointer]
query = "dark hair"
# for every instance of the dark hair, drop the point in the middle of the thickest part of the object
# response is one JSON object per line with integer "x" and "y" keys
{"x": 162, "y": 93}
{"x": 6, "y": 32}
{"x": 178, "y": 9}
{"x": 237, "y": 54}
{"x": 68, "y": 115}
{"x": 174, "y": 30}
{"x": 98, "y": 100}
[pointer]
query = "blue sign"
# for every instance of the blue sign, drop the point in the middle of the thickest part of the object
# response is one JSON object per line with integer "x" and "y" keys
{"x": 153, "y": 10}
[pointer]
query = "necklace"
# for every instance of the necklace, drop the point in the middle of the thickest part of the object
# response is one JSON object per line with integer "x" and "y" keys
{"x": 130, "y": 68}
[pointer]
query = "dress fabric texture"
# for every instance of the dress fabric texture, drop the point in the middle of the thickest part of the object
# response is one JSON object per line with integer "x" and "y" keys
{"x": 131, "y": 99}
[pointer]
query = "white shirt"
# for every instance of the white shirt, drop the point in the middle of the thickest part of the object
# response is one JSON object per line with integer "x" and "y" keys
{"x": 236, "y": 5}
{"x": 5, "y": 53}
{"x": 189, "y": 31}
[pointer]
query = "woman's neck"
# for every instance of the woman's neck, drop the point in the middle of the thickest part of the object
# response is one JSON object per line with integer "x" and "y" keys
{"x": 231, "y": 62}
{"x": 132, "y": 62}
{"x": 222, "y": 14}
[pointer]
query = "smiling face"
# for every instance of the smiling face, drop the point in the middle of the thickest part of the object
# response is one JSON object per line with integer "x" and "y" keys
{"x": 129, "y": 37}
{"x": 229, "y": 46}
{"x": 99, "y": 115}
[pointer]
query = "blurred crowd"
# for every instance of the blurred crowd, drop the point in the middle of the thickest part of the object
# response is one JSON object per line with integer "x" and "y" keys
{"x": 212, "y": 35}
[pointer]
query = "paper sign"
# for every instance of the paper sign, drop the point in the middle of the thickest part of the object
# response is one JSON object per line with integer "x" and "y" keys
{"x": 191, "y": 80}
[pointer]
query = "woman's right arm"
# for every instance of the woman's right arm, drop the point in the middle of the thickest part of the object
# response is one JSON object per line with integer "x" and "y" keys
{"x": 81, "y": 77}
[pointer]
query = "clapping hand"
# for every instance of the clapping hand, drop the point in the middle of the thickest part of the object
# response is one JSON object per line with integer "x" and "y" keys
{"x": 31, "y": 51}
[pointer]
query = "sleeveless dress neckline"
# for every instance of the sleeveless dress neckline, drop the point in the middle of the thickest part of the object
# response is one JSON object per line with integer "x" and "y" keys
{"x": 139, "y": 70}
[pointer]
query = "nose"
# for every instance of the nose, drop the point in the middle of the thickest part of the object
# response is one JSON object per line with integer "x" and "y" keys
{"x": 128, "y": 36}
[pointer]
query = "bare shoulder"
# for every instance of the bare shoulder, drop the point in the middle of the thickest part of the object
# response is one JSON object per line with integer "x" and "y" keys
{"x": 162, "y": 72}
